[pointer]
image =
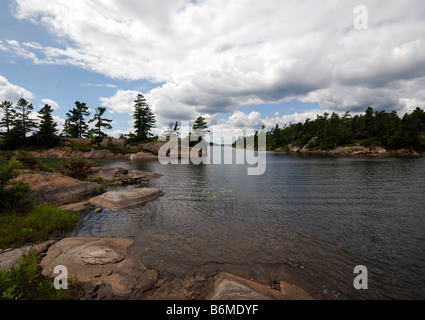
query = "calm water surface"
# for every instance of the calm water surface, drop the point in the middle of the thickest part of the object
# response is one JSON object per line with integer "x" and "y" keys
{"x": 321, "y": 215}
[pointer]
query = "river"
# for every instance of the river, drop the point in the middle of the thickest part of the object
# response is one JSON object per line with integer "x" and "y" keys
{"x": 320, "y": 215}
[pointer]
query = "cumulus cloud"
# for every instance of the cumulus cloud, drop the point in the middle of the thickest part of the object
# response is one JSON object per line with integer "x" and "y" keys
{"x": 121, "y": 102}
{"x": 214, "y": 56}
{"x": 11, "y": 92}
{"x": 51, "y": 103}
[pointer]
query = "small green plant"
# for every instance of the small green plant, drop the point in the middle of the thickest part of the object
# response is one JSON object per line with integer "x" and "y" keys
{"x": 13, "y": 193}
{"x": 81, "y": 147}
{"x": 41, "y": 224}
{"x": 77, "y": 168}
{"x": 25, "y": 282}
{"x": 27, "y": 161}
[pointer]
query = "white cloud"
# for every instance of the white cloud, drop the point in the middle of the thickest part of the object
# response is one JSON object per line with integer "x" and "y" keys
{"x": 51, "y": 103}
{"x": 215, "y": 56}
{"x": 11, "y": 92}
{"x": 121, "y": 102}
{"x": 107, "y": 85}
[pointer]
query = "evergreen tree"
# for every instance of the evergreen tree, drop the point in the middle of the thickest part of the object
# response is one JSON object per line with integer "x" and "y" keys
{"x": 66, "y": 131}
{"x": 144, "y": 119}
{"x": 172, "y": 130}
{"x": 22, "y": 122}
{"x": 199, "y": 130}
{"x": 100, "y": 123}
{"x": 7, "y": 120}
{"x": 200, "y": 124}
{"x": 46, "y": 135}
{"x": 76, "y": 126}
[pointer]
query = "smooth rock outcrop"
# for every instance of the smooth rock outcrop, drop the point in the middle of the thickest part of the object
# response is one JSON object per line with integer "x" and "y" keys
{"x": 125, "y": 198}
{"x": 67, "y": 152}
{"x": 120, "y": 176}
{"x": 10, "y": 257}
{"x": 100, "y": 261}
{"x": 56, "y": 188}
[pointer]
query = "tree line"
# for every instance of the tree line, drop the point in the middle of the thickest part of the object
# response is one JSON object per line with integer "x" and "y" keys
{"x": 373, "y": 128}
{"x": 20, "y": 130}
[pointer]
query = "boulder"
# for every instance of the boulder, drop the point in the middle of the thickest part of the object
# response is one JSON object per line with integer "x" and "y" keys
{"x": 100, "y": 261}
{"x": 56, "y": 188}
{"x": 125, "y": 198}
{"x": 380, "y": 150}
{"x": 10, "y": 257}
{"x": 153, "y": 147}
{"x": 407, "y": 153}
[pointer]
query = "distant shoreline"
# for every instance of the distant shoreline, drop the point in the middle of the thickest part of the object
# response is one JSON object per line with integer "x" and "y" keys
{"x": 356, "y": 151}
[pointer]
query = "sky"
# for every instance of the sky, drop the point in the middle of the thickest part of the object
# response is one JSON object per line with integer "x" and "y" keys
{"x": 241, "y": 64}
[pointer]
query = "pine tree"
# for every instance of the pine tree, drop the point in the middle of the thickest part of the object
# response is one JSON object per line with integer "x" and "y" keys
{"x": 46, "y": 135}
{"x": 100, "y": 123}
{"x": 76, "y": 126}
{"x": 144, "y": 118}
{"x": 172, "y": 130}
{"x": 200, "y": 128}
{"x": 200, "y": 124}
{"x": 7, "y": 121}
{"x": 22, "y": 122}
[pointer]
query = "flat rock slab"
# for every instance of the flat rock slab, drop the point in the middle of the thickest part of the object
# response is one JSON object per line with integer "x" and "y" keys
{"x": 10, "y": 257}
{"x": 100, "y": 261}
{"x": 56, "y": 188}
{"x": 125, "y": 198}
{"x": 77, "y": 207}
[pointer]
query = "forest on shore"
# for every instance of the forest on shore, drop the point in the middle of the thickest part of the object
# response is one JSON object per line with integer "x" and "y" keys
{"x": 371, "y": 129}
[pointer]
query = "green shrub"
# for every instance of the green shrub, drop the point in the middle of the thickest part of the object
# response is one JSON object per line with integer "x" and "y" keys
{"x": 13, "y": 194}
{"x": 81, "y": 147}
{"x": 41, "y": 224}
{"x": 25, "y": 282}
{"x": 27, "y": 161}
{"x": 77, "y": 168}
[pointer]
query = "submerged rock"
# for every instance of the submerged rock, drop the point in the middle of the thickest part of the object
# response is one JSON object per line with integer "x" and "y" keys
{"x": 231, "y": 287}
{"x": 125, "y": 198}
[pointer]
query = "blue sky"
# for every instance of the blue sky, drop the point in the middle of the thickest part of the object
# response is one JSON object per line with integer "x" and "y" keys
{"x": 241, "y": 64}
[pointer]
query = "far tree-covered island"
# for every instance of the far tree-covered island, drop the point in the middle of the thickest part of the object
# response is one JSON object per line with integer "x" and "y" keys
{"x": 371, "y": 129}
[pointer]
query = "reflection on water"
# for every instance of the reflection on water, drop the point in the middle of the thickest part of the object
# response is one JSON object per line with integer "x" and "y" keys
{"x": 325, "y": 214}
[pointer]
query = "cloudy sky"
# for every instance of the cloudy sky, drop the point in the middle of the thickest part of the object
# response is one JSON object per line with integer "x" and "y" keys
{"x": 240, "y": 63}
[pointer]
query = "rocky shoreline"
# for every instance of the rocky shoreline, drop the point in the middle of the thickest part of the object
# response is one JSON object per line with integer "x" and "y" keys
{"x": 106, "y": 267}
{"x": 68, "y": 152}
{"x": 356, "y": 151}
{"x": 108, "y": 271}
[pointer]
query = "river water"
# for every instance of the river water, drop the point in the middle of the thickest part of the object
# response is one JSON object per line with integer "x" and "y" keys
{"x": 321, "y": 215}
